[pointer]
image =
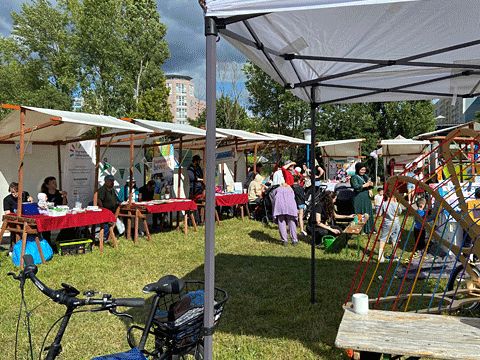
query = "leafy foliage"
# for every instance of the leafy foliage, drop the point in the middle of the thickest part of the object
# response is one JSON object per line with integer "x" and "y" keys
{"x": 109, "y": 52}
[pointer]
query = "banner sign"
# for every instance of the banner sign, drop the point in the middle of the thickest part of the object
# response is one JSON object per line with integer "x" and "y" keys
{"x": 165, "y": 162}
{"x": 79, "y": 171}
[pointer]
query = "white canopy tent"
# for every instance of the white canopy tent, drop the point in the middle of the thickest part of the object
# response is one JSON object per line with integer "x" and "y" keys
{"x": 285, "y": 139}
{"x": 341, "y": 148}
{"x": 31, "y": 125}
{"x": 333, "y": 51}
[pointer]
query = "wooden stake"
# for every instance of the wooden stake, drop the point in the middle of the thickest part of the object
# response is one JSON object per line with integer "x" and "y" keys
{"x": 97, "y": 166}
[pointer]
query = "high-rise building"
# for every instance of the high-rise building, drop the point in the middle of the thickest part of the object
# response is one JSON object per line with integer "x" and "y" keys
{"x": 463, "y": 110}
{"x": 182, "y": 100}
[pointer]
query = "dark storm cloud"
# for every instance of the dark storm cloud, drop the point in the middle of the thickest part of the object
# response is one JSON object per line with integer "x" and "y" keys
{"x": 184, "y": 20}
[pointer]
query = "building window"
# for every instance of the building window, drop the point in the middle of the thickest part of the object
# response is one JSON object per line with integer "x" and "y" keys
{"x": 181, "y": 100}
{"x": 182, "y": 113}
{"x": 180, "y": 88}
{"x": 191, "y": 90}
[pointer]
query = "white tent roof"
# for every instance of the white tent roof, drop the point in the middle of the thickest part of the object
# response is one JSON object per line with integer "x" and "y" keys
{"x": 341, "y": 148}
{"x": 243, "y": 135}
{"x": 402, "y": 146}
{"x": 173, "y": 128}
{"x": 285, "y": 138}
{"x": 359, "y": 50}
{"x": 445, "y": 131}
{"x": 71, "y": 125}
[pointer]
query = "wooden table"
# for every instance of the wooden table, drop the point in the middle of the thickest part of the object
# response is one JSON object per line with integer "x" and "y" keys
{"x": 355, "y": 230}
{"x": 409, "y": 334}
{"x": 22, "y": 226}
{"x": 138, "y": 212}
{"x": 240, "y": 200}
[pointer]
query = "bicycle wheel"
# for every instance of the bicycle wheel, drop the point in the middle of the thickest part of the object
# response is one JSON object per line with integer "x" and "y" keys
{"x": 465, "y": 282}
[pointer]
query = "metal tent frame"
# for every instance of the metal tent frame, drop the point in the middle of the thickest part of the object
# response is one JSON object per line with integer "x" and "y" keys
{"x": 215, "y": 26}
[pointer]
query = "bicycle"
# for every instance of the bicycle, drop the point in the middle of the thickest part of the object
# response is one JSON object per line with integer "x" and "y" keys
{"x": 67, "y": 296}
{"x": 174, "y": 319}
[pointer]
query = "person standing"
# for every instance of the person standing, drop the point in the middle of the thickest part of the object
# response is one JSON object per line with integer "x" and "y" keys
{"x": 300, "y": 201}
{"x": 286, "y": 214}
{"x": 195, "y": 175}
{"x": 362, "y": 203}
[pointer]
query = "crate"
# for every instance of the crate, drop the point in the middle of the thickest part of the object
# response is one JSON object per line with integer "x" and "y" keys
{"x": 75, "y": 247}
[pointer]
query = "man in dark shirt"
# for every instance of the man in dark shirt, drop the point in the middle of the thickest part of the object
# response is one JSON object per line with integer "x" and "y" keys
{"x": 107, "y": 197}
{"x": 10, "y": 203}
{"x": 195, "y": 175}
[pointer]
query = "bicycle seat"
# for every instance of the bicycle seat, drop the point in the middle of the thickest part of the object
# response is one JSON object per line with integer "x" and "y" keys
{"x": 168, "y": 284}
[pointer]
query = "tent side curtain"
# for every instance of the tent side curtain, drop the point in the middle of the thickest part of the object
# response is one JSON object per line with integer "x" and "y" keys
{"x": 341, "y": 148}
{"x": 49, "y": 125}
{"x": 359, "y": 50}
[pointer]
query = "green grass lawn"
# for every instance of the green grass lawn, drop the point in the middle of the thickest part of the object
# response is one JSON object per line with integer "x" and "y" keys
{"x": 268, "y": 315}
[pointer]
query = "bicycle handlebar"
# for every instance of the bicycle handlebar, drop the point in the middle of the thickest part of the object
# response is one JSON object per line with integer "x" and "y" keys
{"x": 69, "y": 300}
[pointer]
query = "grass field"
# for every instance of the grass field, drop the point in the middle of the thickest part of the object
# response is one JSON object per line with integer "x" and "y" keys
{"x": 268, "y": 316}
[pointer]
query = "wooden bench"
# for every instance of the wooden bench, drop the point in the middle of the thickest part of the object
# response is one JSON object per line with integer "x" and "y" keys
{"x": 409, "y": 334}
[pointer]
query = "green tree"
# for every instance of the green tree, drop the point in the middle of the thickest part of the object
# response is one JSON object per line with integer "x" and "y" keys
{"x": 230, "y": 115}
{"x": 279, "y": 110}
{"x": 110, "y": 52}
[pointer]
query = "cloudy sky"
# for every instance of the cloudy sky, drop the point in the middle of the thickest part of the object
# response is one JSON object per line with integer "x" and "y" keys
{"x": 184, "y": 20}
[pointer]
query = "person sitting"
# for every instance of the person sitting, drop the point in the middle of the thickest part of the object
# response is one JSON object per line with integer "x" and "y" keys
{"x": 147, "y": 191}
{"x": 325, "y": 216}
{"x": 255, "y": 190}
{"x": 55, "y": 196}
{"x": 107, "y": 197}
{"x": 195, "y": 175}
{"x": 251, "y": 175}
{"x": 10, "y": 203}
{"x": 124, "y": 195}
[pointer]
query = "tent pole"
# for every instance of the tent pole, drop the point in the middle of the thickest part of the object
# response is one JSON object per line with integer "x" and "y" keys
{"x": 22, "y": 157}
{"x": 59, "y": 165}
{"x": 211, "y": 34}
{"x": 130, "y": 182}
{"x": 180, "y": 150}
{"x": 313, "y": 212}
{"x": 97, "y": 165}
{"x": 255, "y": 149}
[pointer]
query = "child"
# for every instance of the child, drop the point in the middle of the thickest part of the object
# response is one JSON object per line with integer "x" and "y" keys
{"x": 300, "y": 200}
{"x": 418, "y": 231}
{"x": 391, "y": 226}
{"x": 378, "y": 199}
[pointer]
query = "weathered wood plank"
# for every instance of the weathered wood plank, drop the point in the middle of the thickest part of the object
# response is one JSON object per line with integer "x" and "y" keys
{"x": 411, "y": 334}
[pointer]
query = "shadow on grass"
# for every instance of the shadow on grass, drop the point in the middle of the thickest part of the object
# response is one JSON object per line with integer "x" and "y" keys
{"x": 264, "y": 237}
{"x": 269, "y": 297}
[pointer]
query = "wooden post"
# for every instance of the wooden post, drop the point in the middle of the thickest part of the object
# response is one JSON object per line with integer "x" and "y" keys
{"x": 180, "y": 157}
{"x": 235, "y": 161}
{"x": 255, "y": 158}
{"x": 97, "y": 166}
{"x": 20, "y": 167}
{"x": 59, "y": 165}
{"x": 130, "y": 183}
{"x": 245, "y": 153}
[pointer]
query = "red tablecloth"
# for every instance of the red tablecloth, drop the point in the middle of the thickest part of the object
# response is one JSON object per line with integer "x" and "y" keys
{"x": 230, "y": 199}
{"x": 48, "y": 223}
{"x": 171, "y": 206}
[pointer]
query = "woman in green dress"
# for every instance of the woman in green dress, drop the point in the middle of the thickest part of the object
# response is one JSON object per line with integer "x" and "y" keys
{"x": 362, "y": 203}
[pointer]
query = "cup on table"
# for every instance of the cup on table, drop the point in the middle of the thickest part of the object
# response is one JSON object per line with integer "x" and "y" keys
{"x": 78, "y": 205}
{"x": 360, "y": 303}
{"x": 245, "y": 191}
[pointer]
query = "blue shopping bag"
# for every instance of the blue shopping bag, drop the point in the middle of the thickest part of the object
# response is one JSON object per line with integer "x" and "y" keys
{"x": 31, "y": 249}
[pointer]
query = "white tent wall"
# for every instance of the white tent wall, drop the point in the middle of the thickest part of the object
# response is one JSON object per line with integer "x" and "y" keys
{"x": 40, "y": 163}
{"x": 229, "y": 167}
